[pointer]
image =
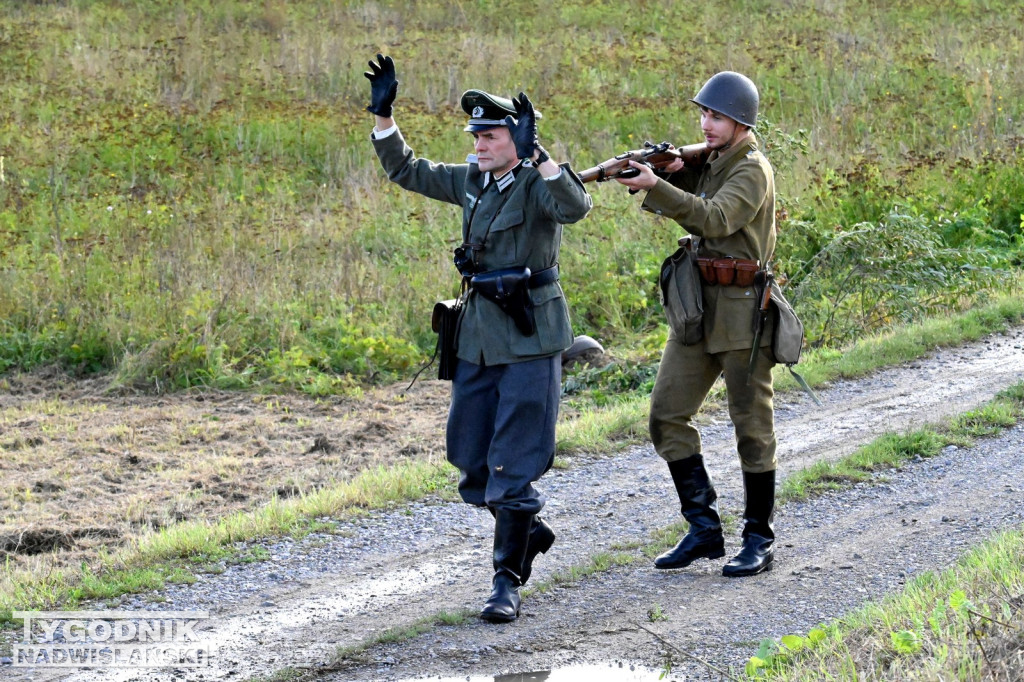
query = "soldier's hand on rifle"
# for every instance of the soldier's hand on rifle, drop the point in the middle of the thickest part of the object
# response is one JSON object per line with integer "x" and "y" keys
{"x": 674, "y": 165}
{"x": 383, "y": 86}
{"x": 643, "y": 178}
{"x": 523, "y": 129}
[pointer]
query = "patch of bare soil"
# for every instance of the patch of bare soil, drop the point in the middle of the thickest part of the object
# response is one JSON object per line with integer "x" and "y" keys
{"x": 87, "y": 470}
{"x": 394, "y": 568}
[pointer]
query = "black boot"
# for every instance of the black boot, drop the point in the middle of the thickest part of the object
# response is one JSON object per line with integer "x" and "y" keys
{"x": 541, "y": 539}
{"x": 511, "y": 535}
{"x": 700, "y": 509}
{"x": 757, "y": 553}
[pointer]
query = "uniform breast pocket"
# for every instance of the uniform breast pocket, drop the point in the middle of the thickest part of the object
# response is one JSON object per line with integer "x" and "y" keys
{"x": 503, "y": 238}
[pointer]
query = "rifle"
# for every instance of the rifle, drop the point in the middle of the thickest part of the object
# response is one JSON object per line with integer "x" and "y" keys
{"x": 654, "y": 155}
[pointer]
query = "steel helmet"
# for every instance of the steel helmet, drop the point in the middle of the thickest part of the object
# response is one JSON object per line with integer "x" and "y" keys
{"x": 582, "y": 347}
{"x": 732, "y": 94}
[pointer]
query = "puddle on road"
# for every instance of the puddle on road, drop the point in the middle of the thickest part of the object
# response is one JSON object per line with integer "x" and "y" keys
{"x": 609, "y": 672}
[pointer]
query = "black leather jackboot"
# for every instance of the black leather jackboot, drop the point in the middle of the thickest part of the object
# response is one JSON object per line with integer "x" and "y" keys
{"x": 757, "y": 553}
{"x": 699, "y": 504}
{"x": 540, "y": 541}
{"x": 511, "y": 535}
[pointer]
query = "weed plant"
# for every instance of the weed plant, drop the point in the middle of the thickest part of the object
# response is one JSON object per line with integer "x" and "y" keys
{"x": 188, "y": 195}
{"x": 962, "y": 623}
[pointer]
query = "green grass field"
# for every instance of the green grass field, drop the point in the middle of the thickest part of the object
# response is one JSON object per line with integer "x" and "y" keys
{"x": 188, "y": 194}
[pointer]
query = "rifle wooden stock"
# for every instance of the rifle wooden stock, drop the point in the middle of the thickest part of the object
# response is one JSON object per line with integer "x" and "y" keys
{"x": 657, "y": 155}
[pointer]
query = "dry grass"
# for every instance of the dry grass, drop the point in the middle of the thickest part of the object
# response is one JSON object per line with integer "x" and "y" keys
{"x": 91, "y": 472}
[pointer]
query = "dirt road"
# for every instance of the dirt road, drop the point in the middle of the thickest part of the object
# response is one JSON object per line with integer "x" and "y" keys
{"x": 397, "y": 568}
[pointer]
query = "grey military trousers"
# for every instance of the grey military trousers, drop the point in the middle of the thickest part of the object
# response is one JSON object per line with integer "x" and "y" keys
{"x": 685, "y": 377}
{"x": 501, "y": 431}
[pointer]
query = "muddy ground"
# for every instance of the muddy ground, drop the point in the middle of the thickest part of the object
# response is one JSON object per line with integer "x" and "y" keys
{"x": 153, "y": 460}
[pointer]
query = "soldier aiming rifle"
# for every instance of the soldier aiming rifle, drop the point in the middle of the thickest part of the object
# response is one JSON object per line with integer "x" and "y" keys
{"x": 726, "y": 203}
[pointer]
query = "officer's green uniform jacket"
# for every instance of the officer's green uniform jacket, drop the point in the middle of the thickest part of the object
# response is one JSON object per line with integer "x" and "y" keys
{"x": 521, "y": 225}
{"x": 730, "y": 204}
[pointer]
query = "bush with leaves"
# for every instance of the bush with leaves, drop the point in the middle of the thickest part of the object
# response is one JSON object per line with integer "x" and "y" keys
{"x": 873, "y": 275}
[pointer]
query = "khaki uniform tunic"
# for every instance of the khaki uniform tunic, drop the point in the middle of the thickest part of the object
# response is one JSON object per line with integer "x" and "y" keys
{"x": 730, "y": 205}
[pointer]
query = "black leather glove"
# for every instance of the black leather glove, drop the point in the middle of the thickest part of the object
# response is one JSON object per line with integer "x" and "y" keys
{"x": 523, "y": 129}
{"x": 383, "y": 86}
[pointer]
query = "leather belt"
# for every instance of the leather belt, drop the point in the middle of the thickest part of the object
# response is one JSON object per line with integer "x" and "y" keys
{"x": 537, "y": 279}
{"x": 542, "y": 277}
{"x": 737, "y": 272}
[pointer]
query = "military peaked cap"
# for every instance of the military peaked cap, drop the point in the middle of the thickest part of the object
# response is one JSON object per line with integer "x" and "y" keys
{"x": 486, "y": 110}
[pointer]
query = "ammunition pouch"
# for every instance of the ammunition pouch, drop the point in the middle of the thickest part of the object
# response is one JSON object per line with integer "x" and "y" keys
{"x": 509, "y": 289}
{"x": 737, "y": 272}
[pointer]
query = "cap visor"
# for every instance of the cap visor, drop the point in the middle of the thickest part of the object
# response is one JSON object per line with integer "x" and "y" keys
{"x": 477, "y": 127}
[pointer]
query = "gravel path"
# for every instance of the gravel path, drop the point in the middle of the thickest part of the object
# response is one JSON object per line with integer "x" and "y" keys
{"x": 395, "y": 568}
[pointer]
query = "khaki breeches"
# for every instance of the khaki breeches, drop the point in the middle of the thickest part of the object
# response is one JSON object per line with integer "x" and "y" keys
{"x": 684, "y": 379}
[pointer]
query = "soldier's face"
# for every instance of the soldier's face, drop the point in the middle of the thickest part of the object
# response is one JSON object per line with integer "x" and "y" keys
{"x": 719, "y": 130}
{"x": 495, "y": 150}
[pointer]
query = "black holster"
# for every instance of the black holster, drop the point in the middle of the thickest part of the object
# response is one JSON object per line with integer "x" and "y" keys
{"x": 510, "y": 290}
